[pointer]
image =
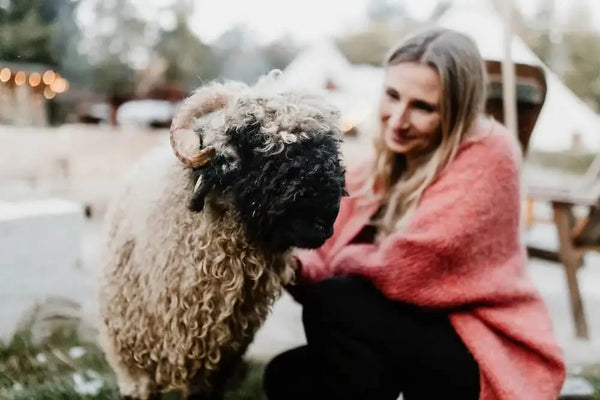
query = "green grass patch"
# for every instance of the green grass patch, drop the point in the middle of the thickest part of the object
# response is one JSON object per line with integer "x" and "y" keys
{"x": 60, "y": 367}
{"x": 64, "y": 367}
{"x": 592, "y": 374}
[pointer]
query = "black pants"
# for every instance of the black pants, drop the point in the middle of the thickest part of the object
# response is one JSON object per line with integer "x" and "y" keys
{"x": 363, "y": 346}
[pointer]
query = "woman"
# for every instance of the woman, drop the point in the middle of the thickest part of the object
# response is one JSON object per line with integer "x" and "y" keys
{"x": 422, "y": 288}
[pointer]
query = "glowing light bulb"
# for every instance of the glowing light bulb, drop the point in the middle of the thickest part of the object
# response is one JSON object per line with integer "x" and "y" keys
{"x": 5, "y": 74}
{"x": 35, "y": 79}
{"x": 49, "y": 93}
{"x": 49, "y": 77}
{"x": 20, "y": 78}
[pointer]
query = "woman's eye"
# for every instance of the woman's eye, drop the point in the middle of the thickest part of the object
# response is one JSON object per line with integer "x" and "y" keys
{"x": 423, "y": 106}
{"x": 392, "y": 94}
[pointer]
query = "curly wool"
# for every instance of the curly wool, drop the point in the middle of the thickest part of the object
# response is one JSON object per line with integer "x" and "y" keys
{"x": 284, "y": 117}
{"x": 211, "y": 298}
{"x": 191, "y": 270}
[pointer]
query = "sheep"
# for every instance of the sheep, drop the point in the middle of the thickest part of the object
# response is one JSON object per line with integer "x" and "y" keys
{"x": 197, "y": 251}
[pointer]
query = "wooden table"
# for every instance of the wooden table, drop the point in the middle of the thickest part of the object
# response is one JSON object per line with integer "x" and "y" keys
{"x": 569, "y": 230}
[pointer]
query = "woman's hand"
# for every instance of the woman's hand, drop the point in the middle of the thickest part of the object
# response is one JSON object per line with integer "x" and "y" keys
{"x": 297, "y": 289}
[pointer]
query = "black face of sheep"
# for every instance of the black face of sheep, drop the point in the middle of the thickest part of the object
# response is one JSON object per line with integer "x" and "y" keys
{"x": 288, "y": 197}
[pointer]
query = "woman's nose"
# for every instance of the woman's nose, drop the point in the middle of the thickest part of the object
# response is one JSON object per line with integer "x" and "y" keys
{"x": 399, "y": 118}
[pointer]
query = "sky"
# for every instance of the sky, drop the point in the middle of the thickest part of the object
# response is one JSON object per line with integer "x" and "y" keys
{"x": 304, "y": 20}
{"x": 309, "y": 20}
{"x": 272, "y": 18}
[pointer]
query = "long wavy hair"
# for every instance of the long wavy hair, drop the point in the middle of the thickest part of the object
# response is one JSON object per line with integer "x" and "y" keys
{"x": 456, "y": 59}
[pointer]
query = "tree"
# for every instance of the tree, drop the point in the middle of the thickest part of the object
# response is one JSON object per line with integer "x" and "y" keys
{"x": 389, "y": 22}
{"x": 370, "y": 46}
{"x": 583, "y": 72}
{"x": 384, "y": 10}
{"x": 65, "y": 38}
{"x": 189, "y": 60}
{"x": 116, "y": 43}
{"x": 241, "y": 56}
{"x": 280, "y": 53}
{"x": 572, "y": 51}
{"x": 43, "y": 32}
{"x": 27, "y": 28}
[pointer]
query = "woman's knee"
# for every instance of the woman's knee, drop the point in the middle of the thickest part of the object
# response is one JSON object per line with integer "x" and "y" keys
{"x": 275, "y": 375}
{"x": 283, "y": 373}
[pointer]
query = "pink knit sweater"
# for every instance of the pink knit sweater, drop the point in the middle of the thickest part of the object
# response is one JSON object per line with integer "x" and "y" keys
{"x": 462, "y": 253}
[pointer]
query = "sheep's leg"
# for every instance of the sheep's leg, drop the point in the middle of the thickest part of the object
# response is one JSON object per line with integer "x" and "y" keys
{"x": 132, "y": 385}
{"x": 229, "y": 369}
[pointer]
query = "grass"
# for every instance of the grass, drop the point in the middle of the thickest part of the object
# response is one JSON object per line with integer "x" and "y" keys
{"x": 60, "y": 367}
{"x": 592, "y": 374}
{"x": 64, "y": 367}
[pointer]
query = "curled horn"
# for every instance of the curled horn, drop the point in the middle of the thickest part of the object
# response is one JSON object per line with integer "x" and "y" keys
{"x": 201, "y": 102}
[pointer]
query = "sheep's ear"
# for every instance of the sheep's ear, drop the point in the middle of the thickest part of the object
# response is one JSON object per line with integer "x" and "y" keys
{"x": 217, "y": 175}
{"x": 201, "y": 189}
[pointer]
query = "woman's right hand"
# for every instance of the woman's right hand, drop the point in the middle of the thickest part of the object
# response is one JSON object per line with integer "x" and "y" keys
{"x": 297, "y": 289}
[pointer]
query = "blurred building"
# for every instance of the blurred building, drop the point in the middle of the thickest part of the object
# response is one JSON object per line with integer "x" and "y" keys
{"x": 25, "y": 90}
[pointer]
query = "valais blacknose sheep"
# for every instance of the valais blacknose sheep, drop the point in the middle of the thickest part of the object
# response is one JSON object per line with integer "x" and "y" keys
{"x": 198, "y": 246}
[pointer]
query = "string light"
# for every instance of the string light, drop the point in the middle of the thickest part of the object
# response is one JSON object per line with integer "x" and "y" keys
{"x": 35, "y": 79}
{"x": 49, "y": 93}
{"x": 54, "y": 83}
{"x": 49, "y": 77}
{"x": 5, "y": 75}
{"x": 20, "y": 78}
{"x": 59, "y": 85}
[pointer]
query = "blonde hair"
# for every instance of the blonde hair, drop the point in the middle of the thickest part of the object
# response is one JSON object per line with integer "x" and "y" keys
{"x": 456, "y": 59}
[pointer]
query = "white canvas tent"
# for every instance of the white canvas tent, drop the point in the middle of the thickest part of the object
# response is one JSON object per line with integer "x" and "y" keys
{"x": 354, "y": 89}
{"x": 563, "y": 114}
{"x": 315, "y": 65}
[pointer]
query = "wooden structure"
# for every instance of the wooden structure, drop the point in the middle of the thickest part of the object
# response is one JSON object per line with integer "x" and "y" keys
{"x": 576, "y": 236}
{"x": 530, "y": 96}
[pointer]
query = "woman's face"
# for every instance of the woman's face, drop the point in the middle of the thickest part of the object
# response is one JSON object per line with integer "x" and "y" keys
{"x": 409, "y": 109}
